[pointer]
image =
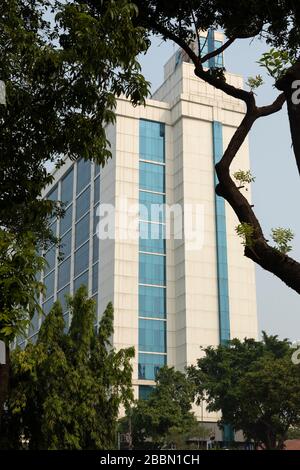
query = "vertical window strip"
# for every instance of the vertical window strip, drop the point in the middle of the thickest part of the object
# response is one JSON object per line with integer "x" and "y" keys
{"x": 152, "y": 253}
{"x": 221, "y": 242}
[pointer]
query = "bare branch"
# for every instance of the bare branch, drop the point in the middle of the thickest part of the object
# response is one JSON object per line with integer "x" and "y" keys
{"x": 272, "y": 108}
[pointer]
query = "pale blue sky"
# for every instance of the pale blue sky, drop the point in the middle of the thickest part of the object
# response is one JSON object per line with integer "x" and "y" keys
{"x": 277, "y": 187}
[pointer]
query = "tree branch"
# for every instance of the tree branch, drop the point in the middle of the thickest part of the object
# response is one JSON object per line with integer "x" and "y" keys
{"x": 173, "y": 37}
{"x": 272, "y": 108}
{"x": 218, "y": 51}
{"x": 238, "y": 93}
{"x": 270, "y": 259}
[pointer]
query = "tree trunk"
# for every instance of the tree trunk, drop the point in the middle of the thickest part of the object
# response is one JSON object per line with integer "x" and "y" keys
{"x": 270, "y": 259}
{"x": 289, "y": 84}
{"x": 270, "y": 442}
{"x": 4, "y": 381}
{"x": 280, "y": 444}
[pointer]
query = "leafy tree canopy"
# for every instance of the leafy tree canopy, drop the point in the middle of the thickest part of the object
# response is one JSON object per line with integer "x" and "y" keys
{"x": 255, "y": 385}
{"x": 63, "y": 64}
{"x": 166, "y": 412}
{"x": 277, "y": 21}
{"x": 66, "y": 390}
{"x": 294, "y": 433}
{"x": 19, "y": 292}
{"x": 19, "y": 287}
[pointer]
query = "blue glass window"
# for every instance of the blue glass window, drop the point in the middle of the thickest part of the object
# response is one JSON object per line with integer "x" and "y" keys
{"x": 97, "y": 190}
{"x": 145, "y": 391}
{"x": 206, "y": 45}
{"x": 96, "y": 219}
{"x": 152, "y": 207}
{"x": 61, "y": 296}
{"x": 38, "y": 275}
{"x": 152, "y": 336}
{"x": 95, "y": 279}
{"x": 83, "y": 203}
{"x": 204, "y": 49}
{"x": 64, "y": 273}
{"x": 49, "y": 284}
{"x": 97, "y": 169}
{"x": 66, "y": 242}
{"x": 224, "y": 315}
{"x": 152, "y": 141}
{"x": 81, "y": 280}
{"x": 152, "y": 238}
{"x": 67, "y": 322}
{"x": 220, "y": 58}
{"x": 34, "y": 325}
{"x": 81, "y": 259}
{"x": 152, "y": 177}
{"x": 67, "y": 188}
{"x": 53, "y": 194}
{"x": 149, "y": 365}
{"x": 50, "y": 257}
{"x": 53, "y": 228}
{"x": 152, "y": 302}
{"x": 83, "y": 175}
{"x": 66, "y": 221}
{"x": 82, "y": 230}
{"x": 47, "y": 306}
{"x": 152, "y": 269}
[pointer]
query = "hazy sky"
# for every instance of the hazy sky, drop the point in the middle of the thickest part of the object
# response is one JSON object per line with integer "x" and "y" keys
{"x": 276, "y": 191}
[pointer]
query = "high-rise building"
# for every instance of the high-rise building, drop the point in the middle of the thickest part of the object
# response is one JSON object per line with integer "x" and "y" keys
{"x": 176, "y": 274}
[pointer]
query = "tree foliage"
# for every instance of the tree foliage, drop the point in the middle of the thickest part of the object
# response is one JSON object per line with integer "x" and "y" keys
{"x": 63, "y": 64}
{"x": 19, "y": 292}
{"x": 255, "y": 385}
{"x": 282, "y": 237}
{"x": 277, "y": 21}
{"x": 66, "y": 390}
{"x": 294, "y": 433}
{"x": 19, "y": 287}
{"x": 167, "y": 411}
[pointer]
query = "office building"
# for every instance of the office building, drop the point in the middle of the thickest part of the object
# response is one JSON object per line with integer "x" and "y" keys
{"x": 171, "y": 294}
